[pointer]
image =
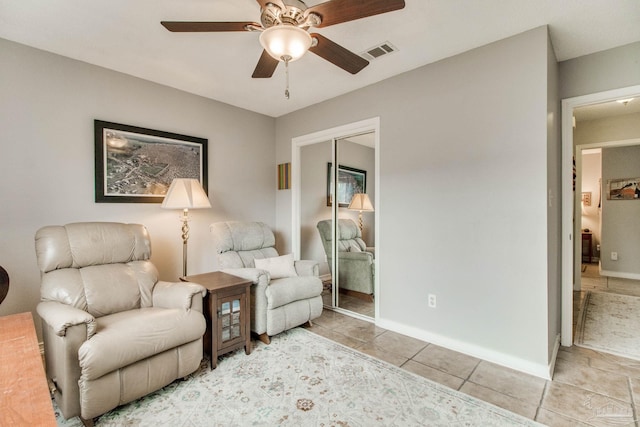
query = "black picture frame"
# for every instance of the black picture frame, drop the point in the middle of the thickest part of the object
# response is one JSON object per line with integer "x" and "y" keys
{"x": 136, "y": 165}
{"x": 350, "y": 181}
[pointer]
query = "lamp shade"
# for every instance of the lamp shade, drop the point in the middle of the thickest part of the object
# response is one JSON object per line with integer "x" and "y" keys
{"x": 186, "y": 193}
{"x": 361, "y": 202}
{"x": 285, "y": 42}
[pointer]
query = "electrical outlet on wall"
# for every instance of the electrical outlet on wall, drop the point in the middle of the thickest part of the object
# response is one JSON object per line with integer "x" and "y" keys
{"x": 614, "y": 256}
{"x": 432, "y": 301}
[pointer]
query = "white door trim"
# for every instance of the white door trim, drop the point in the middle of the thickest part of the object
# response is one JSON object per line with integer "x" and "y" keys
{"x": 570, "y": 252}
{"x": 351, "y": 129}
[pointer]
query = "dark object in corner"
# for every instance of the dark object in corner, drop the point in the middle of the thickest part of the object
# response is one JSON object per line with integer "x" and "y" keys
{"x": 4, "y": 284}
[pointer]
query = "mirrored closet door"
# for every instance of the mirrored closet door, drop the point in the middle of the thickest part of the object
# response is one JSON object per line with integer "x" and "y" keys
{"x": 345, "y": 249}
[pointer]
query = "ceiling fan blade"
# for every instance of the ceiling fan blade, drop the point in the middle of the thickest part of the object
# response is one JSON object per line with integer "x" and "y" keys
{"x": 266, "y": 66}
{"x": 194, "y": 27}
{"x": 338, "y": 11}
{"x": 263, "y": 3}
{"x": 337, "y": 54}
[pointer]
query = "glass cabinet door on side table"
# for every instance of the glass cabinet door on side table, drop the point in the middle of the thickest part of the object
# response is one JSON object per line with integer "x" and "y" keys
{"x": 226, "y": 308}
{"x": 230, "y": 319}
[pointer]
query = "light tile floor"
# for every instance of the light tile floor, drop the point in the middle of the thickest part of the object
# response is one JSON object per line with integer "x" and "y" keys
{"x": 589, "y": 388}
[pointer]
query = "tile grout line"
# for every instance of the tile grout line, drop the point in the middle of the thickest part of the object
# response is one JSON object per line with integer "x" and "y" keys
{"x": 542, "y": 397}
{"x": 418, "y": 352}
{"x": 633, "y": 401}
{"x": 467, "y": 379}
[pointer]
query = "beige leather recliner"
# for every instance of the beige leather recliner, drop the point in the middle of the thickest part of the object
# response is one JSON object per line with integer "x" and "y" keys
{"x": 277, "y": 303}
{"x": 112, "y": 331}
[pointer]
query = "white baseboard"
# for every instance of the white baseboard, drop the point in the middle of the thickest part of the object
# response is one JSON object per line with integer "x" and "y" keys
{"x": 554, "y": 355}
{"x": 543, "y": 371}
{"x": 620, "y": 275}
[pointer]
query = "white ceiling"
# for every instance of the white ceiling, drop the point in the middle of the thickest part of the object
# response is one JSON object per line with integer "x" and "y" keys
{"x": 126, "y": 36}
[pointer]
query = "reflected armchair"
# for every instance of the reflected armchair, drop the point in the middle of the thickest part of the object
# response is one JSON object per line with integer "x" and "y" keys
{"x": 355, "y": 260}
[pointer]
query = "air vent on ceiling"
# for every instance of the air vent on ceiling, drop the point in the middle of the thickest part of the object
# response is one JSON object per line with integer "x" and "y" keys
{"x": 378, "y": 51}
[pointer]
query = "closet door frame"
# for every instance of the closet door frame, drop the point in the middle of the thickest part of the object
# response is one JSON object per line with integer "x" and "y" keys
{"x": 334, "y": 134}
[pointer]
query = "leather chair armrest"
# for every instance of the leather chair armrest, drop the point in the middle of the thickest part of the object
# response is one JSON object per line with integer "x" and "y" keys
{"x": 184, "y": 295}
{"x": 305, "y": 267}
{"x": 61, "y": 317}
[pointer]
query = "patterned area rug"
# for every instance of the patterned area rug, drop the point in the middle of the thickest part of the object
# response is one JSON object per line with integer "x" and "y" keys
{"x": 303, "y": 379}
{"x": 610, "y": 323}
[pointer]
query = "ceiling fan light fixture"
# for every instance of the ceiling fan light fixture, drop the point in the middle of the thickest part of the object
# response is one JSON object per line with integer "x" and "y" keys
{"x": 285, "y": 41}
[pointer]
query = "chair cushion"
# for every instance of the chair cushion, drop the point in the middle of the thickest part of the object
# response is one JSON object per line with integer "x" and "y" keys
{"x": 283, "y": 291}
{"x": 129, "y": 336}
{"x": 99, "y": 267}
{"x": 241, "y": 236}
{"x": 102, "y": 289}
{"x": 91, "y": 243}
{"x": 349, "y": 236}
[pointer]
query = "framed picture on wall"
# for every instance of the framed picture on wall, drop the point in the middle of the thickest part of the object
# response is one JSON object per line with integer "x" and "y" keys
{"x": 350, "y": 182}
{"x": 137, "y": 165}
{"x": 623, "y": 189}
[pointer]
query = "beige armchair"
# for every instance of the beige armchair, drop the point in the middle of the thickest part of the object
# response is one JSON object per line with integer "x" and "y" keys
{"x": 355, "y": 259}
{"x": 281, "y": 298}
{"x": 112, "y": 331}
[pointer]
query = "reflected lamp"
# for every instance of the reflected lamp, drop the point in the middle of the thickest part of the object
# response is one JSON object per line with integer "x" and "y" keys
{"x": 360, "y": 202}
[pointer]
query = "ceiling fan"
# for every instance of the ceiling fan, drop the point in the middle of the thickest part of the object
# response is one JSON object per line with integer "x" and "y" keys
{"x": 284, "y": 30}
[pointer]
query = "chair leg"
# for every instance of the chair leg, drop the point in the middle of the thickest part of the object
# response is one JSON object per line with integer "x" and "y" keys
{"x": 86, "y": 423}
{"x": 309, "y": 324}
{"x": 264, "y": 338}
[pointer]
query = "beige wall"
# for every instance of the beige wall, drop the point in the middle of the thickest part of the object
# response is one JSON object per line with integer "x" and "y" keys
{"x": 47, "y": 107}
{"x": 554, "y": 211}
{"x": 470, "y": 135}
{"x": 607, "y": 129}
{"x": 601, "y": 71}
{"x": 464, "y": 141}
{"x": 620, "y": 224}
{"x": 591, "y": 178}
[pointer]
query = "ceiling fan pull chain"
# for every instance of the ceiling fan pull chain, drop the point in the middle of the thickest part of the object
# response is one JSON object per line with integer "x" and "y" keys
{"x": 286, "y": 71}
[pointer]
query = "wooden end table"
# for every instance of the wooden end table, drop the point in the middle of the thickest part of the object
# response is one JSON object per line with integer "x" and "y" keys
{"x": 227, "y": 311}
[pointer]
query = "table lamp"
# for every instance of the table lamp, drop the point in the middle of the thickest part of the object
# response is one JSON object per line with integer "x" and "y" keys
{"x": 185, "y": 194}
{"x": 360, "y": 202}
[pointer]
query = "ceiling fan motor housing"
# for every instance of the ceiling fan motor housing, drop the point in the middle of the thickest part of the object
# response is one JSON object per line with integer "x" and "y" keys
{"x": 294, "y": 14}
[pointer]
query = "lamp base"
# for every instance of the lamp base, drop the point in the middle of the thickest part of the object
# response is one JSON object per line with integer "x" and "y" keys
{"x": 185, "y": 238}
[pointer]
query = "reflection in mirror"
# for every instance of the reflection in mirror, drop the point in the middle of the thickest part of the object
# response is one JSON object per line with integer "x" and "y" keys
{"x": 355, "y": 175}
{"x": 355, "y": 244}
